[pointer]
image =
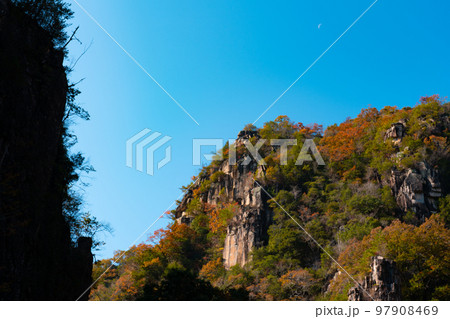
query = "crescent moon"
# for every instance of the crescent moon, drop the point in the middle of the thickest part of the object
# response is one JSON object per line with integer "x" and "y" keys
{"x": 320, "y": 24}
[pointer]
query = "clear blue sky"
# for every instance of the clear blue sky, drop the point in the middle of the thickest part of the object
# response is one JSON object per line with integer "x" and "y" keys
{"x": 225, "y": 61}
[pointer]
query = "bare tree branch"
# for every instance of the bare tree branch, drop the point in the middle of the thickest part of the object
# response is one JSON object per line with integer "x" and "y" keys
{"x": 71, "y": 38}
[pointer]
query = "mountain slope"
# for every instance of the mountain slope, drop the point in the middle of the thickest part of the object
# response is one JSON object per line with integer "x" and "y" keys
{"x": 274, "y": 229}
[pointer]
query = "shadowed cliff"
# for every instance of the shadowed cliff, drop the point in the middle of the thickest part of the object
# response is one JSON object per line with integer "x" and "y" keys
{"x": 38, "y": 260}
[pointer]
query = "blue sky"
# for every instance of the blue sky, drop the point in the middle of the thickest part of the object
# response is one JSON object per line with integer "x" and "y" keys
{"x": 226, "y": 62}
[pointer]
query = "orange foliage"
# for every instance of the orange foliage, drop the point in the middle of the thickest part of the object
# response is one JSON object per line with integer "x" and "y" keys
{"x": 126, "y": 288}
{"x": 174, "y": 236}
{"x": 212, "y": 270}
{"x": 219, "y": 217}
{"x": 309, "y": 131}
{"x": 158, "y": 235}
{"x": 340, "y": 142}
{"x": 214, "y": 221}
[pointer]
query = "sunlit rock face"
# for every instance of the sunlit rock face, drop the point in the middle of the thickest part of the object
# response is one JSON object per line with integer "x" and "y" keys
{"x": 396, "y": 132}
{"x": 248, "y": 227}
{"x": 382, "y": 284}
{"x": 416, "y": 189}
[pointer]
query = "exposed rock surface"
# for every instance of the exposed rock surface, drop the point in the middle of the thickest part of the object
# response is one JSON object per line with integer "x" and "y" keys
{"x": 382, "y": 284}
{"x": 417, "y": 190}
{"x": 248, "y": 228}
{"x": 37, "y": 259}
{"x": 396, "y": 132}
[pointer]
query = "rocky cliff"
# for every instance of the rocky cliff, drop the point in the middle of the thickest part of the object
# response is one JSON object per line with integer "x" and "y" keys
{"x": 415, "y": 189}
{"x": 248, "y": 227}
{"x": 37, "y": 258}
{"x": 382, "y": 284}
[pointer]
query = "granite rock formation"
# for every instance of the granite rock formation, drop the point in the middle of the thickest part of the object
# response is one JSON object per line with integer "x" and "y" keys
{"x": 416, "y": 189}
{"x": 248, "y": 228}
{"x": 382, "y": 284}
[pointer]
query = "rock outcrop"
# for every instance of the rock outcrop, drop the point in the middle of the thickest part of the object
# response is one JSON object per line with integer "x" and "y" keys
{"x": 396, "y": 132}
{"x": 382, "y": 284}
{"x": 38, "y": 260}
{"x": 417, "y": 190}
{"x": 248, "y": 228}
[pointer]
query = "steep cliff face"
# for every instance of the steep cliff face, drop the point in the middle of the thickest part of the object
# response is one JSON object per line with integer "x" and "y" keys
{"x": 417, "y": 189}
{"x": 382, "y": 284}
{"x": 37, "y": 258}
{"x": 248, "y": 227}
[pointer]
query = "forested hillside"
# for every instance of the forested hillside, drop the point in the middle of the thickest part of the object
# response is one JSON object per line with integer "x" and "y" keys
{"x": 382, "y": 198}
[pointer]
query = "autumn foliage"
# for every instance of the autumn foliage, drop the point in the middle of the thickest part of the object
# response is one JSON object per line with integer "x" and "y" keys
{"x": 348, "y": 207}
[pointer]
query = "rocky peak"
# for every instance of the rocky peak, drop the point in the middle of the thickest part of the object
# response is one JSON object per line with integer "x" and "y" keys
{"x": 383, "y": 283}
{"x": 248, "y": 227}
